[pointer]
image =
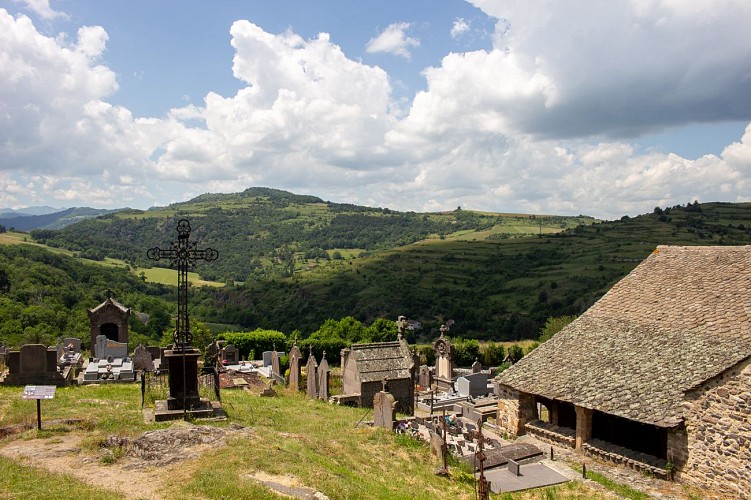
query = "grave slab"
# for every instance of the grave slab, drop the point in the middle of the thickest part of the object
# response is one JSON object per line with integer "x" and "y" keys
{"x": 530, "y": 476}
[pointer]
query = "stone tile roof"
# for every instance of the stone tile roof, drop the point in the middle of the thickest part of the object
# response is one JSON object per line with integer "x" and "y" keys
{"x": 679, "y": 318}
{"x": 382, "y": 360}
{"x": 108, "y": 302}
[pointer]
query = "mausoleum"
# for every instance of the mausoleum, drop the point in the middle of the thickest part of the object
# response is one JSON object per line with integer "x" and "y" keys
{"x": 110, "y": 318}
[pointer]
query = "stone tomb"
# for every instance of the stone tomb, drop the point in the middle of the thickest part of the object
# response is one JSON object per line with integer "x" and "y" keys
{"x": 474, "y": 385}
{"x": 110, "y": 363}
{"x": 33, "y": 364}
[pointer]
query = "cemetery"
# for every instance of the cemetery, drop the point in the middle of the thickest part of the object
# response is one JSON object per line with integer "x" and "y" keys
{"x": 457, "y": 432}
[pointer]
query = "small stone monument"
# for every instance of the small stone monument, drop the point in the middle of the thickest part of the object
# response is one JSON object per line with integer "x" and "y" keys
{"x": 384, "y": 408}
{"x": 275, "y": 369}
{"x": 323, "y": 378}
{"x": 425, "y": 378}
{"x": 295, "y": 356}
{"x": 3, "y": 351}
{"x": 142, "y": 361}
{"x": 444, "y": 361}
{"x": 311, "y": 370}
{"x": 476, "y": 366}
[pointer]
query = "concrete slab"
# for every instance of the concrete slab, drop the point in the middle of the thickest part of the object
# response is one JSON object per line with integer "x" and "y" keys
{"x": 530, "y": 476}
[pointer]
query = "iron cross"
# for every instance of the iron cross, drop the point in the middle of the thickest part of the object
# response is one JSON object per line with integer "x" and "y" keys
{"x": 182, "y": 254}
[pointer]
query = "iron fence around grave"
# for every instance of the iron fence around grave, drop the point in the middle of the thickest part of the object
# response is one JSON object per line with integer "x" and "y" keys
{"x": 155, "y": 385}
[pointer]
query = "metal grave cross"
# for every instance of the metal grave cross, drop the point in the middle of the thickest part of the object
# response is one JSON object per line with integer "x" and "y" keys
{"x": 182, "y": 254}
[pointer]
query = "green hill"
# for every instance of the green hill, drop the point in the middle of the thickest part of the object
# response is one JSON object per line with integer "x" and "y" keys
{"x": 291, "y": 261}
{"x": 263, "y": 232}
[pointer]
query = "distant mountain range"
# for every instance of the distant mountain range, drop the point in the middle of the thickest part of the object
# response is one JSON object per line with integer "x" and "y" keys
{"x": 26, "y": 219}
{"x": 9, "y": 213}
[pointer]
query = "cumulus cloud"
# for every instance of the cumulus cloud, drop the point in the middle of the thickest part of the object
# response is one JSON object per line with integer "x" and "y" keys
{"x": 394, "y": 40}
{"x": 539, "y": 123}
{"x": 620, "y": 68}
{"x": 459, "y": 27}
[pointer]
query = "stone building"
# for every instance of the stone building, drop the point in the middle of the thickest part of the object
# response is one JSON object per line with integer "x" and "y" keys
{"x": 110, "y": 318}
{"x": 365, "y": 366}
{"x": 656, "y": 374}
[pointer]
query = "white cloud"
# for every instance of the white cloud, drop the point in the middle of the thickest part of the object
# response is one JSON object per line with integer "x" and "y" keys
{"x": 459, "y": 27}
{"x": 42, "y": 9}
{"x": 394, "y": 40}
{"x": 508, "y": 129}
{"x": 624, "y": 67}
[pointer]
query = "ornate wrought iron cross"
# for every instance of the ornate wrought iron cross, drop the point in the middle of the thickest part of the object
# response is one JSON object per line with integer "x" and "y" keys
{"x": 182, "y": 254}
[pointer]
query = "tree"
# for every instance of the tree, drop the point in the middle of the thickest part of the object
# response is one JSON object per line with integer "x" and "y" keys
{"x": 553, "y": 326}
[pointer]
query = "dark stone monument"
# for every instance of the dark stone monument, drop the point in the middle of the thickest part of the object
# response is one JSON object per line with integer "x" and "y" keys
{"x": 425, "y": 378}
{"x": 33, "y": 364}
{"x": 182, "y": 359}
{"x": 275, "y": 368}
{"x": 295, "y": 356}
{"x": 311, "y": 370}
{"x": 323, "y": 378}
{"x": 142, "y": 361}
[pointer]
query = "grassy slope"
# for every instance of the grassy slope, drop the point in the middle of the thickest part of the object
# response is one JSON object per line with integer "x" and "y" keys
{"x": 311, "y": 440}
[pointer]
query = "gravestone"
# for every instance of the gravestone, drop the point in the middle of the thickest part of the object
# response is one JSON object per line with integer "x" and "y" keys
{"x": 106, "y": 348}
{"x": 72, "y": 342}
{"x": 323, "y": 378}
{"x": 425, "y": 377}
{"x": 142, "y": 361}
{"x": 267, "y": 355}
{"x": 275, "y": 366}
{"x": 33, "y": 364}
{"x": 3, "y": 352}
{"x": 110, "y": 363}
{"x": 384, "y": 409}
{"x": 311, "y": 370}
{"x": 295, "y": 356}
{"x": 476, "y": 366}
{"x": 230, "y": 355}
{"x": 473, "y": 385}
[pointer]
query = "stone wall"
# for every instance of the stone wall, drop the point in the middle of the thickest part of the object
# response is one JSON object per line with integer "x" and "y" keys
{"x": 718, "y": 428}
{"x": 515, "y": 409}
{"x": 399, "y": 388}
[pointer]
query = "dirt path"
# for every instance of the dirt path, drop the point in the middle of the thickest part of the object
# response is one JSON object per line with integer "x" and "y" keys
{"x": 136, "y": 468}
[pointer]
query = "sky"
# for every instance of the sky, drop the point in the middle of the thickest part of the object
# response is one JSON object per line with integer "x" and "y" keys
{"x": 533, "y": 106}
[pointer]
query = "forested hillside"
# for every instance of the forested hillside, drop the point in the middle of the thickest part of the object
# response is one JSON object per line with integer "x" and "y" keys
{"x": 263, "y": 232}
{"x": 44, "y": 296}
{"x": 492, "y": 287}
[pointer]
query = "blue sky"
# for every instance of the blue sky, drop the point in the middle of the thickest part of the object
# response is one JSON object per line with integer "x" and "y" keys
{"x": 567, "y": 106}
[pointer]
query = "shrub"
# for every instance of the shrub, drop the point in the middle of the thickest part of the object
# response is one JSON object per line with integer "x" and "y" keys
{"x": 255, "y": 342}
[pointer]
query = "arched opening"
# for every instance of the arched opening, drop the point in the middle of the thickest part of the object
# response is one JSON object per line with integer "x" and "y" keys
{"x": 110, "y": 330}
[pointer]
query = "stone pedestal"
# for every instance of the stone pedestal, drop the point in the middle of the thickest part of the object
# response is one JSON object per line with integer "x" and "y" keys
{"x": 183, "y": 379}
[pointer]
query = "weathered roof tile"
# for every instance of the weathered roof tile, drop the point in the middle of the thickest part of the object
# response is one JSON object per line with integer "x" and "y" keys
{"x": 680, "y": 317}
